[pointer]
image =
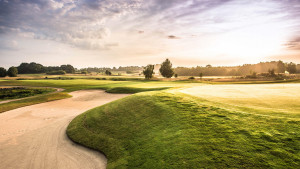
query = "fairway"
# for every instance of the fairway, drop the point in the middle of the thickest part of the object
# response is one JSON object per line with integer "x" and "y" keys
{"x": 280, "y": 98}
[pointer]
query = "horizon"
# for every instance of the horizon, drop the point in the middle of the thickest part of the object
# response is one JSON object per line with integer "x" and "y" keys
{"x": 137, "y": 32}
{"x": 153, "y": 64}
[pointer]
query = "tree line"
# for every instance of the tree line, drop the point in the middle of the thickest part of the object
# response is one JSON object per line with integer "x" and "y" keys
{"x": 246, "y": 69}
{"x": 33, "y": 68}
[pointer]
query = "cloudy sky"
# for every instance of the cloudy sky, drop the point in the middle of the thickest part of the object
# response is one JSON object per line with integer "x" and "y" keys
{"x": 138, "y": 32}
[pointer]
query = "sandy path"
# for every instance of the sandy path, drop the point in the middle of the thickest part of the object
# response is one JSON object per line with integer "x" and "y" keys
{"x": 10, "y": 100}
{"x": 35, "y": 136}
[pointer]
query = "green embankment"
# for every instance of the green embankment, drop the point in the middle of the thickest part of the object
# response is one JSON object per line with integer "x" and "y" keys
{"x": 172, "y": 130}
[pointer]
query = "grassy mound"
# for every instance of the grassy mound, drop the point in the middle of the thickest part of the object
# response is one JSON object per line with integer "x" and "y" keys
{"x": 165, "y": 130}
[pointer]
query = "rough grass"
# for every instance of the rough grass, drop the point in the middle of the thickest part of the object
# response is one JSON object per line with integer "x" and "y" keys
{"x": 173, "y": 130}
{"x": 21, "y": 92}
{"x": 34, "y": 100}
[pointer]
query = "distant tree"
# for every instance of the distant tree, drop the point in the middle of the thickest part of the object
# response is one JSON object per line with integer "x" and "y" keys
{"x": 56, "y": 72}
{"x": 291, "y": 67}
{"x": 12, "y": 72}
{"x": 271, "y": 72}
{"x": 32, "y": 67}
{"x": 84, "y": 72}
{"x": 2, "y": 72}
{"x": 166, "y": 69}
{"x": 68, "y": 68}
{"x": 208, "y": 66}
{"x": 176, "y": 75}
{"x": 148, "y": 71}
{"x": 280, "y": 67}
{"x": 201, "y": 75}
{"x": 107, "y": 72}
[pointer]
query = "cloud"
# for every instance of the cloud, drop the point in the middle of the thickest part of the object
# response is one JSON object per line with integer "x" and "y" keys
{"x": 293, "y": 44}
{"x": 9, "y": 45}
{"x": 173, "y": 37}
{"x": 77, "y": 23}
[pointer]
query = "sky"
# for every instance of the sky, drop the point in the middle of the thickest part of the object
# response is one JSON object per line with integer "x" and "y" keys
{"x": 106, "y": 33}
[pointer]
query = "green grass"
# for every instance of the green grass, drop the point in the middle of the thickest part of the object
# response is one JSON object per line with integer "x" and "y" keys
{"x": 282, "y": 99}
{"x": 168, "y": 129}
{"x": 21, "y": 92}
{"x": 111, "y": 86}
{"x": 34, "y": 100}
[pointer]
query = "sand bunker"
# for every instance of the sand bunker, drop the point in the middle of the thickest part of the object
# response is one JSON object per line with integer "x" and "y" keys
{"x": 35, "y": 136}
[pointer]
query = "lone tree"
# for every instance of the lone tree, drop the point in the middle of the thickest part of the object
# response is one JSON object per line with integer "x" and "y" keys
{"x": 201, "y": 75}
{"x": 280, "y": 67}
{"x": 12, "y": 72}
{"x": 148, "y": 71}
{"x": 166, "y": 69}
{"x": 107, "y": 72}
{"x": 2, "y": 72}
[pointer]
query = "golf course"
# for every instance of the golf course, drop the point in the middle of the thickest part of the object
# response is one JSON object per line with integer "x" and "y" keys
{"x": 157, "y": 124}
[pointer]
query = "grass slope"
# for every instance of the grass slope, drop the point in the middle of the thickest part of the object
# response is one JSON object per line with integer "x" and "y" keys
{"x": 172, "y": 130}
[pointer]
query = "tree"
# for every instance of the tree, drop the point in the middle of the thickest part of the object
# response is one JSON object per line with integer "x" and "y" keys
{"x": 291, "y": 68}
{"x": 107, "y": 72}
{"x": 12, "y": 72}
{"x": 2, "y": 72}
{"x": 208, "y": 66}
{"x": 280, "y": 67}
{"x": 201, "y": 75}
{"x": 271, "y": 72}
{"x": 176, "y": 75}
{"x": 148, "y": 71}
{"x": 68, "y": 68}
{"x": 166, "y": 69}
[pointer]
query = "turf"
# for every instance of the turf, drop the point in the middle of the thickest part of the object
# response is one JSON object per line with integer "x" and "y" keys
{"x": 111, "y": 86}
{"x": 169, "y": 129}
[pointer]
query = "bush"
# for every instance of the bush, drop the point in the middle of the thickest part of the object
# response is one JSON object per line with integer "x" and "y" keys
{"x": 191, "y": 78}
{"x": 58, "y": 72}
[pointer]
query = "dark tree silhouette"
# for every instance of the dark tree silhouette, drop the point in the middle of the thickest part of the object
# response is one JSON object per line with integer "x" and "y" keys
{"x": 2, "y": 72}
{"x": 148, "y": 71}
{"x": 166, "y": 69}
{"x": 12, "y": 72}
{"x": 68, "y": 68}
{"x": 107, "y": 72}
{"x": 291, "y": 67}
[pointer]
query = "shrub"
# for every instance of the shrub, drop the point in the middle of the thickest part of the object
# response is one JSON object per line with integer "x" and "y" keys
{"x": 58, "y": 72}
{"x": 191, "y": 78}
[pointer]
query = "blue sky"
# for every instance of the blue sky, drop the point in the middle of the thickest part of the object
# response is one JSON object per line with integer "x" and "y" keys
{"x": 139, "y": 32}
